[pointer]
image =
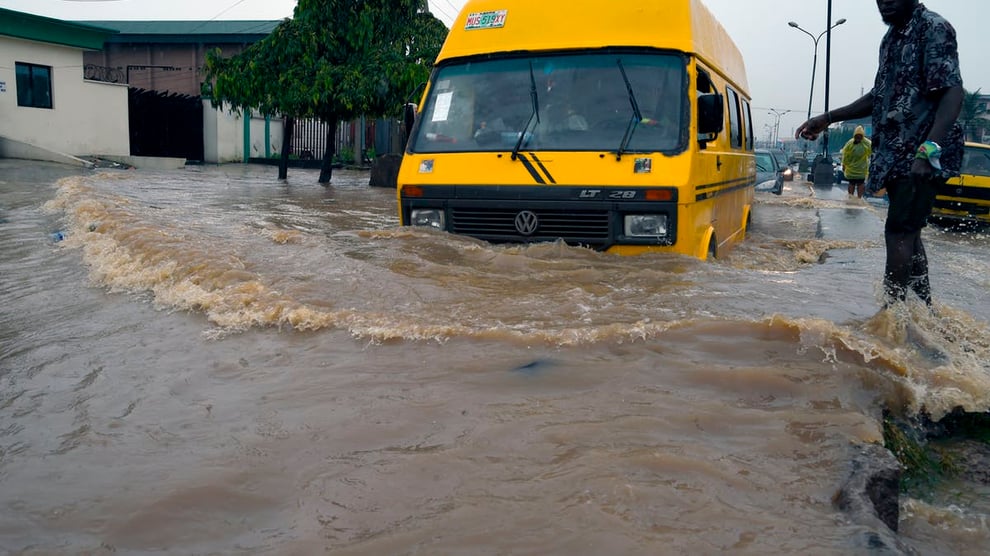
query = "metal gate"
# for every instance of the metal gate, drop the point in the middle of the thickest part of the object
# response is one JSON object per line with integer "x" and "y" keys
{"x": 309, "y": 139}
{"x": 165, "y": 124}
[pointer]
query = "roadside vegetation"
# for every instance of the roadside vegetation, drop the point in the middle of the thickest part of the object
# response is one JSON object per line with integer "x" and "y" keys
{"x": 335, "y": 60}
{"x": 956, "y": 447}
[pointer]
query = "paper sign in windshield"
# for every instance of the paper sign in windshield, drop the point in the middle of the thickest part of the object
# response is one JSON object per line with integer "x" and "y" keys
{"x": 441, "y": 110}
{"x": 486, "y": 20}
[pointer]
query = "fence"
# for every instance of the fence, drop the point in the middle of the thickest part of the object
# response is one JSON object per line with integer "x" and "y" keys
{"x": 356, "y": 138}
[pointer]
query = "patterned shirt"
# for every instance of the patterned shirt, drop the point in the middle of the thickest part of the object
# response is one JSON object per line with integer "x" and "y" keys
{"x": 917, "y": 59}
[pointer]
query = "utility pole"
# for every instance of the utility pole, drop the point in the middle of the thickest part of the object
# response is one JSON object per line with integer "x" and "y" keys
{"x": 828, "y": 67}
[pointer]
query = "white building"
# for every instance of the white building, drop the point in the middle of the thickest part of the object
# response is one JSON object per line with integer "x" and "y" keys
{"x": 48, "y": 110}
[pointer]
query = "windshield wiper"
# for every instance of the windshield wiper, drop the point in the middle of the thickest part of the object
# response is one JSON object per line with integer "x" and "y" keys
{"x": 535, "y": 114}
{"x": 637, "y": 115}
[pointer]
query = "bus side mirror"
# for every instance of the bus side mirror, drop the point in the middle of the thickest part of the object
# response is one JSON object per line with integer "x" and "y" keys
{"x": 409, "y": 118}
{"x": 711, "y": 116}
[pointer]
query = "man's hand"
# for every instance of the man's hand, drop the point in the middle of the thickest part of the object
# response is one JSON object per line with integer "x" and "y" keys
{"x": 921, "y": 169}
{"x": 810, "y": 129}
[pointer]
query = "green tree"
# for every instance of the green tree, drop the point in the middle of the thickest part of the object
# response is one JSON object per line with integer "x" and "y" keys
{"x": 971, "y": 116}
{"x": 334, "y": 60}
{"x": 261, "y": 78}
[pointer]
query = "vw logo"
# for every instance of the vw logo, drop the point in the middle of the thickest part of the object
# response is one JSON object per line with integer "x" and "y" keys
{"x": 527, "y": 223}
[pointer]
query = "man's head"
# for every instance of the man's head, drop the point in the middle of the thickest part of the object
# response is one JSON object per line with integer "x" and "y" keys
{"x": 896, "y": 12}
{"x": 859, "y": 134}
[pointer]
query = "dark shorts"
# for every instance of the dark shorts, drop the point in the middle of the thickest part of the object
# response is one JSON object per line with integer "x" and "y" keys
{"x": 856, "y": 181}
{"x": 910, "y": 203}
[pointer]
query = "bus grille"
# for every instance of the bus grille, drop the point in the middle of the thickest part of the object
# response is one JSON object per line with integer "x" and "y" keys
{"x": 971, "y": 208}
{"x": 590, "y": 227}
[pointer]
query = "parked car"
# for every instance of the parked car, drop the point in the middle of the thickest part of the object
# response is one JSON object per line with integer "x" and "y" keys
{"x": 966, "y": 199}
{"x": 784, "y": 163}
{"x": 769, "y": 174}
{"x": 801, "y": 160}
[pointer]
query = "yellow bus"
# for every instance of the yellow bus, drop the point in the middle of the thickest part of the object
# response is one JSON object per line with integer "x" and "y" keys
{"x": 623, "y": 126}
{"x": 965, "y": 199}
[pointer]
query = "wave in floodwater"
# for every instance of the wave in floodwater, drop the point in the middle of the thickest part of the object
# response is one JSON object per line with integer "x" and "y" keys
{"x": 339, "y": 264}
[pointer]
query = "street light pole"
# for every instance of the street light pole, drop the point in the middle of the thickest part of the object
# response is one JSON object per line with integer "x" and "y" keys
{"x": 814, "y": 63}
{"x": 776, "y": 127}
{"x": 828, "y": 67}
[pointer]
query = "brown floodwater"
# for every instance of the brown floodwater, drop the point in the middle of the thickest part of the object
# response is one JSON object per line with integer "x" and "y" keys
{"x": 210, "y": 361}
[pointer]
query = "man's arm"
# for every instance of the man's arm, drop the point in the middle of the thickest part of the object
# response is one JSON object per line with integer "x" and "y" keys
{"x": 946, "y": 114}
{"x": 859, "y": 108}
{"x": 949, "y": 107}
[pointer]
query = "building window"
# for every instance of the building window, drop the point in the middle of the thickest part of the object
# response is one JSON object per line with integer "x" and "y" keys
{"x": 34, "y": 85}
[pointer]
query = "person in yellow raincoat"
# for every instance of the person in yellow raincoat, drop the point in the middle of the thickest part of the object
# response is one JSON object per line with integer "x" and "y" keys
{"x": 856, "y": 161}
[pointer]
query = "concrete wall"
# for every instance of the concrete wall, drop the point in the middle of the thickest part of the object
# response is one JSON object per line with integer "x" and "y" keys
{"x": 173, "y": 67}
{"x": 86, "y": 118}
{"x": 223, "y": 135}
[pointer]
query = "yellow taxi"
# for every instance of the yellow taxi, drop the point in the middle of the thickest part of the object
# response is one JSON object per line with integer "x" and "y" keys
{"x": 966, "y": 199}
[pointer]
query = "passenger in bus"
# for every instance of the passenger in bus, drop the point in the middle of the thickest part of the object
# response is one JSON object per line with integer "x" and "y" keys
{"x": 565, "y": 117}
{"x": 486, "y": 133}
{"x": 575, "y": 121}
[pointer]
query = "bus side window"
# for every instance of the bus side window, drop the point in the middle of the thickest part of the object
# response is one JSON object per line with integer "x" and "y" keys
{"x": 711, "y": 116}
{"x": 704, "y": 82}
{"x": 748, "y": 117}
{"x": 735, "y": 127}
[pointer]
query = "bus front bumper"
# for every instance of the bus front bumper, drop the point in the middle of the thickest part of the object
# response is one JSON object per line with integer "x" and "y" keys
{"x": 598, "y": 218}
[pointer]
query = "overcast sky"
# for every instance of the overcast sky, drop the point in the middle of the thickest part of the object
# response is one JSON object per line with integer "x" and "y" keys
{"x": 778, "y": 57}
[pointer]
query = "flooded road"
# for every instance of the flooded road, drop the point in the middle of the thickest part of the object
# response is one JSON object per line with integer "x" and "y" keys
{"x": 210, "y": 361}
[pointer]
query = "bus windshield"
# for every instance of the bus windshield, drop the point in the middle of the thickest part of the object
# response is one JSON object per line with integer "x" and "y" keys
{"x": 567, "y": 102}
{"x": 976, "y": 161}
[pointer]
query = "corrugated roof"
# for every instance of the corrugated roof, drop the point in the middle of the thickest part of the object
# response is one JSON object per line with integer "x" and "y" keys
{"x": 55, "y": 31}
{"x": 187, "y": 31}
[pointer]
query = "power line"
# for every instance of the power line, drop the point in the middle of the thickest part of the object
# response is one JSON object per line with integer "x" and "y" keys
{"x": 442, "y": 11}
{"x": 234, "y": 5}
{"x": 453, "y": 7}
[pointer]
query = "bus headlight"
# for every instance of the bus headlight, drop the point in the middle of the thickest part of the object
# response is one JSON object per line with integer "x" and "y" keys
{"x": 427, "y": 217}
{"x": 646, "y": 225}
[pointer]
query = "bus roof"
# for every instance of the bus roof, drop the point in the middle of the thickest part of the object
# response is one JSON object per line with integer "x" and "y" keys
{"x": 486, "y": 26}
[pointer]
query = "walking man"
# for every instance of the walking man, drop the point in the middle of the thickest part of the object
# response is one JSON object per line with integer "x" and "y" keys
{"x": 917, "y": 142}
{"x": 856, "y": 161}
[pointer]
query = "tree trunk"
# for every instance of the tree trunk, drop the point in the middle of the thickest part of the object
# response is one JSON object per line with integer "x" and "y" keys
{"x": 326, "y": 168}
{"x": 283, "y": 162}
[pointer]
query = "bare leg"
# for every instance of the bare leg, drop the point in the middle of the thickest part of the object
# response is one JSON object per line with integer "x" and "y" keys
{"x": 919, "y": 272}
{"x": 900, "y": 257}
{"x": 907, "y": 264}
{"x": 907, "y": 267}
